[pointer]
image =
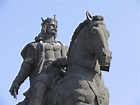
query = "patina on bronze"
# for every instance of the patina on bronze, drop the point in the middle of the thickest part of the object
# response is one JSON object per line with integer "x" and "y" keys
{"x": 81, "y": 83}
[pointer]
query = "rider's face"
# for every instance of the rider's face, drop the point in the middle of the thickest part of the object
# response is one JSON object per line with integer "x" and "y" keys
{"x": 51, "y": 28}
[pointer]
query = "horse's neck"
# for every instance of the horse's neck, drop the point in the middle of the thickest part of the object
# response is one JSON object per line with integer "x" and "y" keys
{"x": 81, "y": 60}
{"x": 79, "y": 53}
{"x": 81, "y": 57}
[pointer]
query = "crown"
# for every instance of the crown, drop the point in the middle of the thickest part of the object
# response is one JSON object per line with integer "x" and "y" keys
{"x": 49, "y": 20}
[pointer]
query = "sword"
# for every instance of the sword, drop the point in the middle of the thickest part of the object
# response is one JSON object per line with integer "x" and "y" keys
{"x": 15, "y": 94}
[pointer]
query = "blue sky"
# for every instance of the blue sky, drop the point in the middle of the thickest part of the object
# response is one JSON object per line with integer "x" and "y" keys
{"x": 20, "y": 23}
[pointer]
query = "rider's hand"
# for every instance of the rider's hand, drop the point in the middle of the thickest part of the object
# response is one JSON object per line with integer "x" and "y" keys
{"x": 14, "y": 87}
{"x": 60, "y": 62}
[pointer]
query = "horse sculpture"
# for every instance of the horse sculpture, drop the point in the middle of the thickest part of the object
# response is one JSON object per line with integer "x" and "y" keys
{"x": 88, "y": 54}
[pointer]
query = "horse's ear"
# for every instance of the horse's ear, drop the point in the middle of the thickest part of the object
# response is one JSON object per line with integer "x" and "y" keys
{"x": 42, "y": 19}
{"x": 89, "y": 17}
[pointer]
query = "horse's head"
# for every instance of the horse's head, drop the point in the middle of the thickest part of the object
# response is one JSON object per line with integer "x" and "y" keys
{"x": 99, "y": 38}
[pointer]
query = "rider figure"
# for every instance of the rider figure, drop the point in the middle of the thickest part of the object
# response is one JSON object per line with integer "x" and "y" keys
{"x": 39, "y": 58}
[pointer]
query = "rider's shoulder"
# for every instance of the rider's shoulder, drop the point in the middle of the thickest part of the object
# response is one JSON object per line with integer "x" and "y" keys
{"x": 28, "y": 46}
{"x": 31, "y": 45}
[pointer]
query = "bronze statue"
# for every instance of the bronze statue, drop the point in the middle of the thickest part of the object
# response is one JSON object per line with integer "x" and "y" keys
{"x": 38, "y": 56}
{"x": 81, "y": 83}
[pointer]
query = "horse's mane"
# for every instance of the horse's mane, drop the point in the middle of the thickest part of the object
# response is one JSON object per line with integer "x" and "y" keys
{"x": 76, "y": 32}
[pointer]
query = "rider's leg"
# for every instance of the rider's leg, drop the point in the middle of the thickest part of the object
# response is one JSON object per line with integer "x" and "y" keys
{"x": 39, "y": 89}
